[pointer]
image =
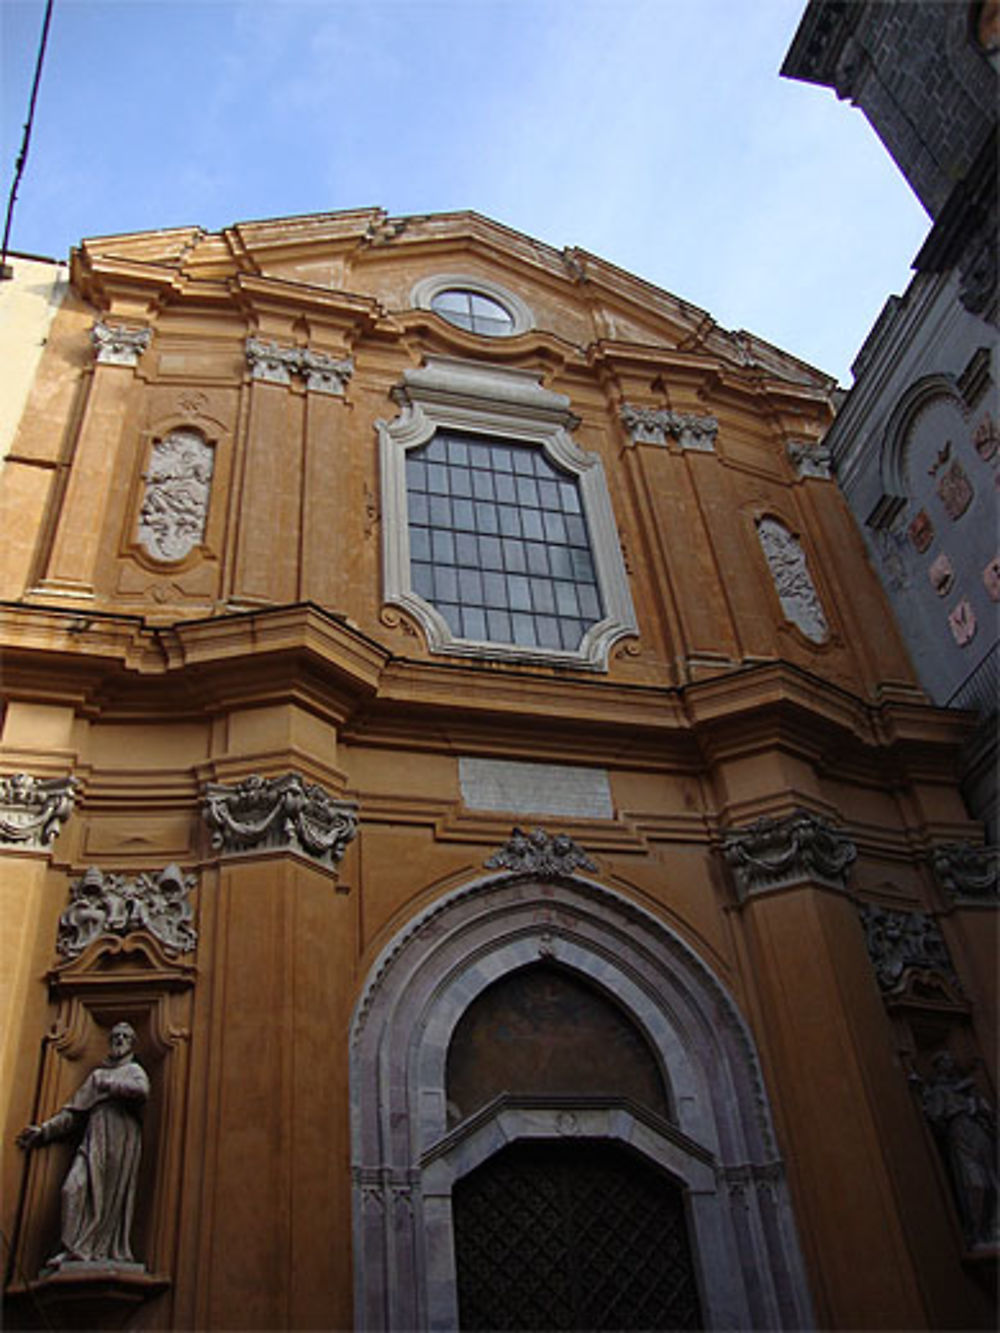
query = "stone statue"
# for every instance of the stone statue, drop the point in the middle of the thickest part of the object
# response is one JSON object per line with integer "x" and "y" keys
{"x": 98, "y": 1194}
{"x": 965, "y": 1126}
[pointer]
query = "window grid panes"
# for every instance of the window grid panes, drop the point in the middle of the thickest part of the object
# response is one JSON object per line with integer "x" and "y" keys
{"x": 499, "y": 543}
{"x": 473, "y": 311}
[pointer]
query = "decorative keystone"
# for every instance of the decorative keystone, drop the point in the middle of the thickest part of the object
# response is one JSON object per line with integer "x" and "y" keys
{"x": 33, "y": 810}
{"x": 777, "y": 853}
{"x": 283, "y": 814}
{"x": 116, "y": 345}
{"x": 101, "y": 904}
{"x": 541, "y": 855}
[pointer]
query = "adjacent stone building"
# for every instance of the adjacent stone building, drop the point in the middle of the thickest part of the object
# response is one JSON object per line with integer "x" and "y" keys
{"x": 452, "y": 718}
{"x": 916, "y": 445}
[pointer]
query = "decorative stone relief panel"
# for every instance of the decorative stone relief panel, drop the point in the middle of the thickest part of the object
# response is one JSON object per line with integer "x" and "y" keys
{"x": 283, "y": 813}
{"x": 652, "y": 425}
{"x": 902, "y": 942}
{"x": 116, "y": 345}
{"x": 967, "y": 873}
{"x": 33, "y": 810}
{"x": 272, "y": 364}
{"x": 776, "y": 853}
{"x": 792, "y": 580}
{"x": 109, "y": 904}
{"x": 178, "y": 485}
{"x": 540, "y": 855}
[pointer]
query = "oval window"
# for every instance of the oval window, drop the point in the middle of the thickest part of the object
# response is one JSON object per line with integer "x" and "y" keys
{"x": 474, "y": 311}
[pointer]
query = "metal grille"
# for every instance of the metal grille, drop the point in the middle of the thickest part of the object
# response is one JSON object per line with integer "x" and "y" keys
{"x": 581, "y": 1236}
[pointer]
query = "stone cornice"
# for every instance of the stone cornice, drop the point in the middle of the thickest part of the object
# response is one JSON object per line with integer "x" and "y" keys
{"x": 302, "y": 652}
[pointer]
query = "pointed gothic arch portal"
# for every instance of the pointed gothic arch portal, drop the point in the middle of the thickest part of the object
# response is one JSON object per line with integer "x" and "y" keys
{"x": 700, "y": 1154}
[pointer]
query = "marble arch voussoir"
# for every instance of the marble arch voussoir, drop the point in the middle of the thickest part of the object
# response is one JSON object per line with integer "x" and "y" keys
{"x": 418, "y": 988}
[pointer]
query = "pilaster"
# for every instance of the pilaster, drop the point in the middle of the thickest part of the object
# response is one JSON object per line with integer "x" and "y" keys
{"x": 77, "y": 548}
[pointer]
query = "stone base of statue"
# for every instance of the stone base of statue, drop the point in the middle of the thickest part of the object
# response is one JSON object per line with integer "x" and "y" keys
{"x": 79, "y": 1294}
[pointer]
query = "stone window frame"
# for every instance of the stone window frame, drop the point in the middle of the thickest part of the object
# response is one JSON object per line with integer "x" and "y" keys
{"x": 425, "y": 291}
{"x": 405, "y": 1158}
{"x": 510, "y": 406}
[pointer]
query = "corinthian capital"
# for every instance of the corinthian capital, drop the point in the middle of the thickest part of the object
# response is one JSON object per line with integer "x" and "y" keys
{"x": 324, "y": 374}
{"x": 116, "y": 345}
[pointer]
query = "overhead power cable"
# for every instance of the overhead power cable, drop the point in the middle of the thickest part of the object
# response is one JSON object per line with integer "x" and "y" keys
{"x": 22, "y": 156}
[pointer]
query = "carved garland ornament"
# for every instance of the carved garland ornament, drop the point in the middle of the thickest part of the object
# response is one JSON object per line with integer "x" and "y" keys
{"x": 967, "y": 873}
{"x": 272, "y": 364}
{"x": 280, "y": 813}
{"x": 106, "y": 904}
{"x": 178, "y": 485}
{"x": 652, "y": 425}
{"x": 33, "y": 810}
{"x": 540, "y": 855}
{"x": 776, "y": 853}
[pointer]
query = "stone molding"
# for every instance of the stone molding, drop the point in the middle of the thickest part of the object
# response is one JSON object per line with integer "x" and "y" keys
{"x": 279, "y": 814}
{"x": 112, "y": 904}
{"x": 966, "y": 873}
{"x": 540, "y": 855}
{"x": 33, "y": 810}
{"x": 116, "y": 345}
{"x": 810, "y": 460}
{"x": 781, "y": 853}
{"x": 652, "y": 425}
{"x": 271, "y": 364}
{"x": 901, "y": 943}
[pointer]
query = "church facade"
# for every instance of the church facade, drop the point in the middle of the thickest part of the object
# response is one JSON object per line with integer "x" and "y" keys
{"x": 451, "y": 718}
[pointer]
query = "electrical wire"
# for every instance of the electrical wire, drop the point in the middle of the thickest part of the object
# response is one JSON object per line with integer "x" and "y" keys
{"x": 22, "y": 156}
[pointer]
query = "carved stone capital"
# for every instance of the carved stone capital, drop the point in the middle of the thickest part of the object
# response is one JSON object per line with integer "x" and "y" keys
{"x": 116, "y": 345}
{"x": 284, "y": 814}
{"x": 270, "y": 363}
{"x": 325, "y": 374}
{"x": 33, "y": 810}
{"x": 901, "y": 943}
{"x": 778, "y": 853}
{"x": 109, "y": 904}
{"x": 810, "y": 460}
{"x": 967, "y": 873}
{"x": 653, "y": 425}
{"x": 541, "y": 855}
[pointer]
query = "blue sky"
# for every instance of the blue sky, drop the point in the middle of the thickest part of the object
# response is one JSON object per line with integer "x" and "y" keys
{"x": 655, "y": 133}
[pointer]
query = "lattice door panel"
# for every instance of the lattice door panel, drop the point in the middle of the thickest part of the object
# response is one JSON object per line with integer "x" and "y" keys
{"x": 555, "y": 1235}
